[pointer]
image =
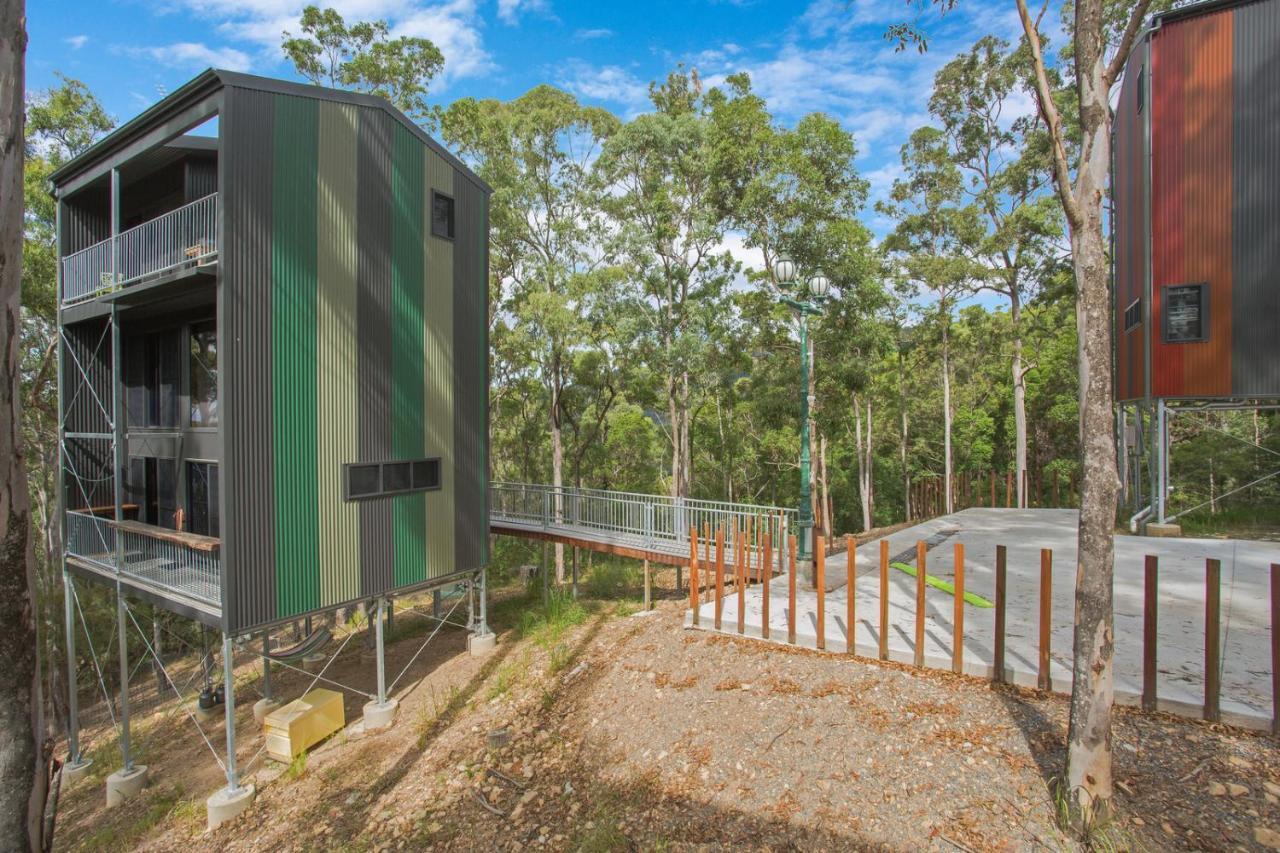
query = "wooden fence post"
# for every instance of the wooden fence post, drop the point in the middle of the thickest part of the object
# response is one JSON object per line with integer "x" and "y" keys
{"x": 1275, "y": 650}
{"x": 791, "y": 589}
{"x": 648, "y": 600}
{"x": 993, "y": 489}
{"x": 1001, "y": 565}
{"x": 920, "y": 569}
{"x": 719, "y": 574}
{"x": 957, "y": 621}
{"x": 851, "y": 587}
{"x": 695, "y": 593}
{"x": 1212, "y": 634}
{"x": 884, "y": 599}
{"x": 1149, "y": 632}
{"x": 1046, "y": 616}
{"x": 767, "y": 568}
{"x": 820, "y": 581}
{"x": 1008, "y": 489}
{"x": 740, "y": 559}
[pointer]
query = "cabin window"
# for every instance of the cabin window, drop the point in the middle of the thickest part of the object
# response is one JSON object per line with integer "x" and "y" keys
{"x": 1185, "y": 312}
{"x": 1133, "y": 315}
{"x": 1142, "y": 87}
{"x": 151, "y": 491}
{"x": 204, "y": 375}
{"x": 441, "y": 215}
{"x": 382, "y": 479}
{"x": 153, "y": 366}
{"x": 202, "y": 498}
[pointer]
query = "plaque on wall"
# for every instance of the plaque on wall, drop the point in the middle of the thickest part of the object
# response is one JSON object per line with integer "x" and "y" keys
{"x": 1186, "y": 313}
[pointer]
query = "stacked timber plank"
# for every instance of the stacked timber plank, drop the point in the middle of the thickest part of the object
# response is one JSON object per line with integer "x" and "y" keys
{"x": 303, "y": 723}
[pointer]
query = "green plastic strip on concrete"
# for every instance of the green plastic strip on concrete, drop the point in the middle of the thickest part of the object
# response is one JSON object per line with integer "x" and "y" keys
{"x": 938, "y": 583}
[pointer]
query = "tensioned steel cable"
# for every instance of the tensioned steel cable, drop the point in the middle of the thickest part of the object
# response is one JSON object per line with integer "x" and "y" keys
{"x": 429, "y": 638}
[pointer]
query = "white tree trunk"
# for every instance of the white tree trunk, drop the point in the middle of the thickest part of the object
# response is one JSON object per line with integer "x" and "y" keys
{"x": 865, "y": 460}
{"x": 557, "y": 474}
{"x": 946, "y": 418}
{"x": 1019, "y": 405}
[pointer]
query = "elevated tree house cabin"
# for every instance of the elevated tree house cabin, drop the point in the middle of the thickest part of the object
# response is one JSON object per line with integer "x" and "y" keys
{"x": 273, "y": 365}
{"x": 1196, "y": 225}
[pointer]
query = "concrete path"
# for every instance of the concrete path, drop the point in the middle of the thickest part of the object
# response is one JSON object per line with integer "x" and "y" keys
{"x": 1246, "y": 665}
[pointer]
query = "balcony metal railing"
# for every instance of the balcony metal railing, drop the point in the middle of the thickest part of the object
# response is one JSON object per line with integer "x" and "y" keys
{"x": 188, "y": 235}
{"x": 152, "y": 557}
{"x": 656, "y": 522}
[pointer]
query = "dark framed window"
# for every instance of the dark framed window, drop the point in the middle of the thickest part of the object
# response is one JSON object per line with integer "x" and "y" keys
{"x": 1142, "y": 87}
{"x": 366, "y": 480}
{"x": 1133, "y": 315}
{"x": 151, "y": 486}
{"x": 153, "y": 368}
{"x": 202, "y": 498}
{"x": 441, "y": 215}
{"x": 204, "y": 375}
{"x": 1184, "y": 310}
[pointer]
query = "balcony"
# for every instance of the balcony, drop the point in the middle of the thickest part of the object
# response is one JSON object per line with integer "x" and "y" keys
{"x": 182, "y": 238}
{"x": 177, "y": 566}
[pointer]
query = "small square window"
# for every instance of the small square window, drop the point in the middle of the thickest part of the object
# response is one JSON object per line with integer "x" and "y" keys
{"x": 442, "y": 215}
{"x": 362, "y": 480}
{"x": 1185, "y": 313}
{"x": 396, "y": 477}
{"x": 426, "y": 474}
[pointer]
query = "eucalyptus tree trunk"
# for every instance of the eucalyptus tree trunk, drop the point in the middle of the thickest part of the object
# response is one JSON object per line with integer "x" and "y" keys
{"x": 1019, "y": 400}
{"x": 557, "y": 468}
{"x": 903, "y": 436}
{"x": 865, "y": 460}
{"x": 23, "y": 753}
{"x": 946, "y": 416}
{"x": 1088, "y": 777}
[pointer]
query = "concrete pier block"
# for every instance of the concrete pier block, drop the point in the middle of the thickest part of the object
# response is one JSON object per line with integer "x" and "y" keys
{"x": 1164, "y": 530}
{"x": 121, "y": 785}
{"x": 380, "y": 716}
{"x": 314, "y": 662}
{"x": 481, "y": 644}
{"x": 263, "y": 707}
{"x": 226, "y": 804}
{"x": 72, "y": 773}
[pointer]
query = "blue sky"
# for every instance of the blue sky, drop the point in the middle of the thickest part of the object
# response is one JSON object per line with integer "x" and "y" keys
{"x": 826, "y": 55}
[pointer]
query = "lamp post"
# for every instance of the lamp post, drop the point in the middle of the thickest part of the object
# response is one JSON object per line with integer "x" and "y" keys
{"x": 808, "y": 295}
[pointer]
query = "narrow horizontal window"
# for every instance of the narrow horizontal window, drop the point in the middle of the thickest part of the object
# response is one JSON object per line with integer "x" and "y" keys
{"x": 1133, "y": 315}
{"x": 441, "y": 215}
{"x": 366, "y": 480}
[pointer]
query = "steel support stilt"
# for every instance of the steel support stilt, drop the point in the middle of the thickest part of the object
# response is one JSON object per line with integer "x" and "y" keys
{"x": 229, "y": 708}
{"x": 266, "y": 667}
{"x": 379, "y": 643}
{"x": 74, "y": 759}
{"x": 122, "y": 641}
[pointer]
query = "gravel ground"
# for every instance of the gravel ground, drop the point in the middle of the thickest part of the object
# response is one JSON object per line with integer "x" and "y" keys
{"x": 630, "y": 733}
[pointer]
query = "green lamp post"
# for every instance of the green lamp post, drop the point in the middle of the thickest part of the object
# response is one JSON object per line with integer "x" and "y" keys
{"x": 805, "y": 299}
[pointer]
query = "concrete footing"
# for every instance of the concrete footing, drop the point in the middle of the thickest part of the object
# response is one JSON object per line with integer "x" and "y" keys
{"x": 121, "y": 785}
{"x": 313, "y": 662}
{"x": 1168, "y": 530}
{"x": 481, "y": 644}
{"x": 263, "y": 707}
{"x": 75, "y": 772}
{"x": 380, "y": 716}
{"x": 206, "y": 715}
{"x": 226, "y": 804}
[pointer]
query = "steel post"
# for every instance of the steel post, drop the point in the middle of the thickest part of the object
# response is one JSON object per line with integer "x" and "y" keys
{"x": 380, "y": 645}
{"x": 483, "y": 628}
{"x": 122, "y": 640}
{"x": 266, "y": 667}
{"x": 73, "y": 691}
{"x": 1162, "y": 459}
{"x": 229, "y": 707}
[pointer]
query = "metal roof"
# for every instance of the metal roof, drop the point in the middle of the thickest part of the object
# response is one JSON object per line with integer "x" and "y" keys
{"x": 208, "y": 83}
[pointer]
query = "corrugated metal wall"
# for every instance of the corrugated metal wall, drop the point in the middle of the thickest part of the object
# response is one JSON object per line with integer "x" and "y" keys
{"x": 1191, "y": 196}
{"x": 1129, "y": 179}
{"x": 334, "y": 288}
{"x": 1255, "y": 236}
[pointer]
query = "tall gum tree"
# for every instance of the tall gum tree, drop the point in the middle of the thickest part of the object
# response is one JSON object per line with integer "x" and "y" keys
{"x": 540, "y": 152}
{"x": 1102, "y": 34}
{"x": 1005, "y": 162}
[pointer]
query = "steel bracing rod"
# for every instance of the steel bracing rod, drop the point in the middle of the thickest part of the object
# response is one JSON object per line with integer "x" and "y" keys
{"x": 84, "y": 374}
{"x": 182, "y": 701}
{"x": 93, "y": 655}
{"x": 1224, "y": 495}
{"x": 425, "y": 642}
{"x": 1213, "y": 428}
{"x": 229, "y": 707}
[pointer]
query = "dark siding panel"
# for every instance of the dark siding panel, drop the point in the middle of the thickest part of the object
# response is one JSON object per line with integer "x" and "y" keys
{"x": 248, "y": 546}
{"x": 1129, "y": 180}
{"x": 85, "y": 221}
{"x": 1255, "y": 248}
{"x": 201, "y": 178}
{"x": 471, "y": 360}
{"x": 373, "y": 306}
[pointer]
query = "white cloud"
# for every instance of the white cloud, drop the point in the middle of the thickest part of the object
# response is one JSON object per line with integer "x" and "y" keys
{"x": 454, "y": 27}
{"x": 193, "y": 55}
{"x": 605, "y": 83}
{"x": 510, "y": 10}
{"x": 595, "y": 33}
{"x": 76, "y": 42}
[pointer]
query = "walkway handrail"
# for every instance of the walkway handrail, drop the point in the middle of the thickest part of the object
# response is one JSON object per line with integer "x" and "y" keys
{"x": 657, "y": 522}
